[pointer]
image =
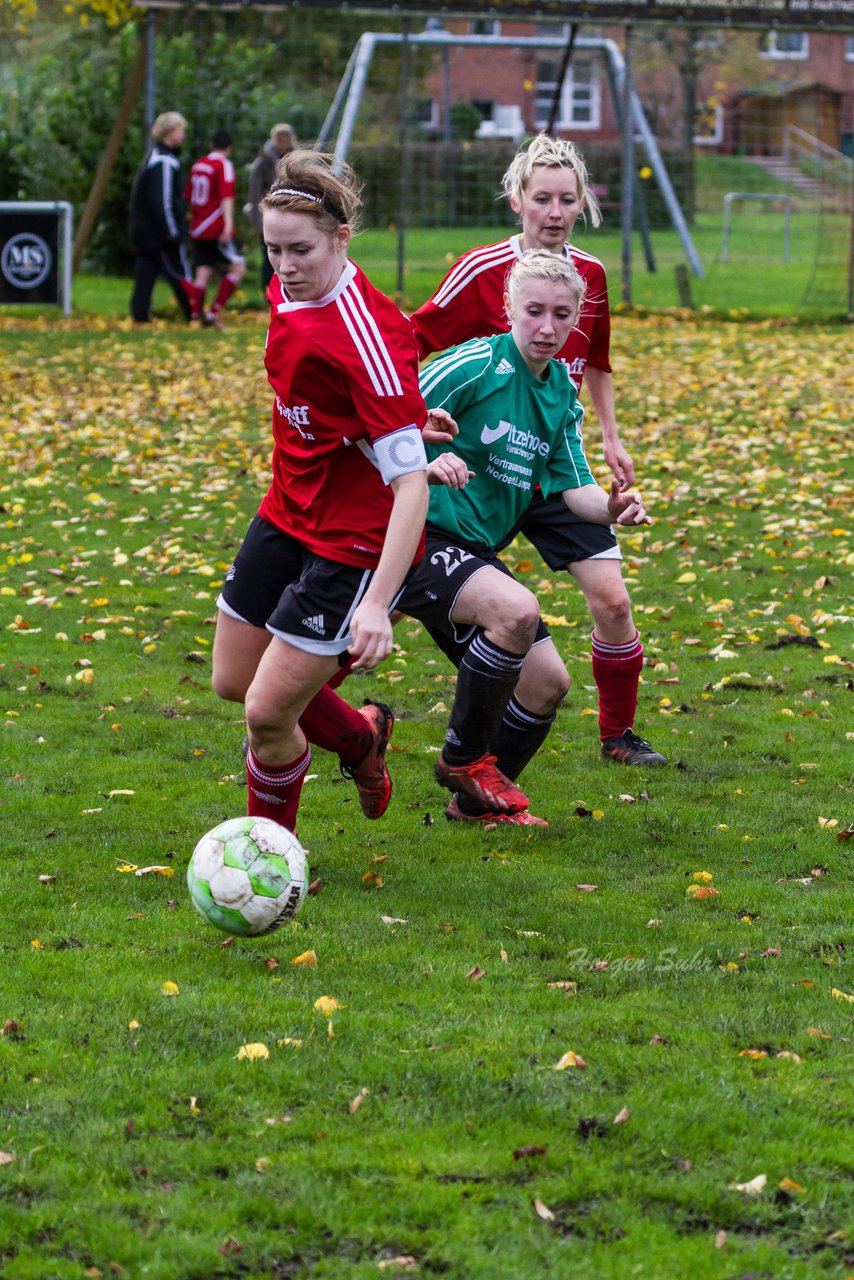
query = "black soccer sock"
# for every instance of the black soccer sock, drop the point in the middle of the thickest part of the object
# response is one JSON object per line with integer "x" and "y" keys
{"x": 486, "y": 679}
{"x": 520, "y": 736}
{"x": 517, "y": 740}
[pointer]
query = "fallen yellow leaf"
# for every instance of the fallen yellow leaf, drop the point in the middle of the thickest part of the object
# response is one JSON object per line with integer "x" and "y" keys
{"x": 570, "y": 1059}
{"x": 308, "y": 959}
{"x": 754, "y": 1187}
{"x": 170, "y": 988}
{"x": 358, "y": 1100}
{"x": 327, "y": 1005}
{"x": 253, "y": 1053}
{"x": 543, "y": 1211}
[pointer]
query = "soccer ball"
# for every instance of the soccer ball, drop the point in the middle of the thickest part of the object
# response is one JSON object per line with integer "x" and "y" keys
{"x": 248, "y": 876}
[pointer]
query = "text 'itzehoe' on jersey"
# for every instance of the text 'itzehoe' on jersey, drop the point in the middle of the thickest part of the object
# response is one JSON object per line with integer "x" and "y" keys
{"x": 347, "y": 417}
{"x": 469, "y": 303}
{"x": 515, "y": 431}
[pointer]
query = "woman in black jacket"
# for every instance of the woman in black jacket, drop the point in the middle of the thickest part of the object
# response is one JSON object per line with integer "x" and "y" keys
{"x": 158, "y": 225}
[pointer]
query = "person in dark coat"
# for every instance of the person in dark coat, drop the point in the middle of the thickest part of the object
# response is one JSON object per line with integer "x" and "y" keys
{"x": 261, "y": 176}
{"x": 158, "y": 224}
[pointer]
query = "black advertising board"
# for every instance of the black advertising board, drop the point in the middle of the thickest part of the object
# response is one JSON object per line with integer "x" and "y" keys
{"x": 29, "y": 256}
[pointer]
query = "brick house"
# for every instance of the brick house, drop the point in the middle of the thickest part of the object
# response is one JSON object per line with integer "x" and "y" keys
{"x": 748, "y": 85}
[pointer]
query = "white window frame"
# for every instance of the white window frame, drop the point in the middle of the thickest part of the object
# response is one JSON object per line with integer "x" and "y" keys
{"x": 431, "y": 123}
{"x": 715, "y": 138}
{"x": 569, "y": 95}
{"x": 488, "y": 27}
{"x": 790, "y": 55}
{"x": 849, "y": 48}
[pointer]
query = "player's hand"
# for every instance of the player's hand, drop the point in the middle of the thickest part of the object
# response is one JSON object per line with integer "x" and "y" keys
{"x": 626, "y": 508}
{"x": 372, "y": 636}
{"x": 439, "y": 428}
{"x": 621, "y": 464}
{"x": 449, "y": 470}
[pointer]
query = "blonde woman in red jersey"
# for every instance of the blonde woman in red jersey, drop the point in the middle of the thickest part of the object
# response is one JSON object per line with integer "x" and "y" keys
{"x": 547, "y": 187}
{"x": 335, "y": 537}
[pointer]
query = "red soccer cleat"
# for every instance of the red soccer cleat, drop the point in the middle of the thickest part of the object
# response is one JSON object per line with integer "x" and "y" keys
{"x": 521, "y": 818}
{"x": 370, "y": 775}
{"x": 482, "y": 782}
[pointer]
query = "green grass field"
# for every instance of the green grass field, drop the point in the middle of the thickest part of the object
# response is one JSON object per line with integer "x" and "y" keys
{"x": 424, "y": 1129}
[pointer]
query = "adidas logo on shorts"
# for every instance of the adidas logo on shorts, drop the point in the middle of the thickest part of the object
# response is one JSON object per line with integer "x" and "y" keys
{"x": 504, "y": 366}
{"x": 316, "y": 623}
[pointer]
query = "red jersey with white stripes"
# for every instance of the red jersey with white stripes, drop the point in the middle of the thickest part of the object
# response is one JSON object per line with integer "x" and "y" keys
{"x": 469, "y": 303}
{"x": 345, "y": 372}
{"x": 210, "y": 182}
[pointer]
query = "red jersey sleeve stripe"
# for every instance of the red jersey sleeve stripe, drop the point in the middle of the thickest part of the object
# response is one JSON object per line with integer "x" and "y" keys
{"x": 468, "y": 268}
{"x": 369, "y": 343}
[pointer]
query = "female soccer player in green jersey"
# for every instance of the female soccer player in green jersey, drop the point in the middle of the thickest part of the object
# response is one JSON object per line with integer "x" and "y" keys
{"x": 518, "y": 421}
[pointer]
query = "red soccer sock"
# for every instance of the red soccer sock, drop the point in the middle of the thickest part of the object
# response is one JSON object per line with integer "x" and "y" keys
{"x": 331, "y": 723}
{"x": 226, "y": 288}
{"x": 616, "y": 670}
{"x": 341, "y": 674}
{"x": 195, "y": 297}
{"x": 273, "y": 790}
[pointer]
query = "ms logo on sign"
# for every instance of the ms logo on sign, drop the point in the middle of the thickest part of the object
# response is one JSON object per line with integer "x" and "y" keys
{"x": 26, "y": 260}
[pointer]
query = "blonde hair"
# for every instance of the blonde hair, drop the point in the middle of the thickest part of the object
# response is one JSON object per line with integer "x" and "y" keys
{"x": 542, "y": 264}
{"x": 279, "y": 130}
{"x": 307, "y": 183}
{"x": 166, "y": 123}
{"x": 550, "y": 153}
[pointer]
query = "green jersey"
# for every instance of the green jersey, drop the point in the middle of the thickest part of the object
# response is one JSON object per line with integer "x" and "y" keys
{"x": 517, "y": 431}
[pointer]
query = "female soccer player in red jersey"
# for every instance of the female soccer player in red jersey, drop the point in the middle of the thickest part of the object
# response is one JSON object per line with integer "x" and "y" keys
{"x": 326, "y": 557}
{"x": 519, "y": 425}
{"x": 547, "y": 186}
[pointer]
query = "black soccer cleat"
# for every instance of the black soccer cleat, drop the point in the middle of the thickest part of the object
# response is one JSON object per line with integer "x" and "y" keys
{"x": 630, "y": 749}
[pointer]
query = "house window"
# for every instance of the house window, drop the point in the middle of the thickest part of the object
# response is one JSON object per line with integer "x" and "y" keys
{"x": 849, "y": 48}
{"x": 554, "y": 30}
{"x": 427, "y": 114}
{"x": 485, "y": 106}
{"x": 784, "y": 44}
{"x": 485, "y": 27}
{"x": 709, "y": 125}
{"x": 580, "y": 101}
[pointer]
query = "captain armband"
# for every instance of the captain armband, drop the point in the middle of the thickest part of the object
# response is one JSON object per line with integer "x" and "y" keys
{"x": 399, "y": 453}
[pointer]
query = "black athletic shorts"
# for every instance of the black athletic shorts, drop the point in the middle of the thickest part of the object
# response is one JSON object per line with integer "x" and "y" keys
{"x": 210, "y": 253}
{"x": 306, "y": 600}
{"x": 432, "y": 588}
{"x": 561, "y": 537}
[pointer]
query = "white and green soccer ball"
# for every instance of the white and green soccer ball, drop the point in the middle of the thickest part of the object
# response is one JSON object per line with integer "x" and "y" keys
{"x": 248, "y": 876}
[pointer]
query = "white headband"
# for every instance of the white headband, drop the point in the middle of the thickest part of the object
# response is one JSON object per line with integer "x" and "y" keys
{"x": 306, "y": 195}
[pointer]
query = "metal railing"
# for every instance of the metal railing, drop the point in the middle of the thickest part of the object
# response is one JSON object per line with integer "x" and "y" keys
{"x": 816, "y": 158}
